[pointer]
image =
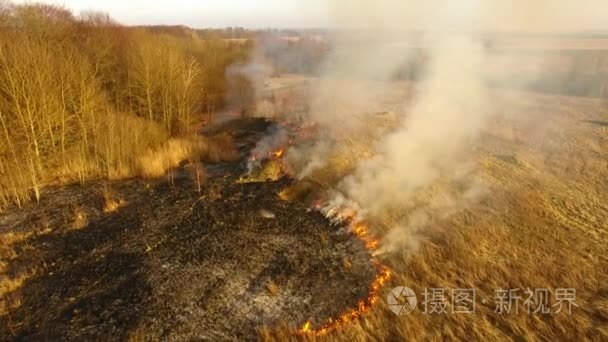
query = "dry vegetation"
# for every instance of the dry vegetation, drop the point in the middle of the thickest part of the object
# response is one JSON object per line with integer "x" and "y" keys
{"x": 83, "y": 97}
{"x": 8, "y": 283}
{"x": 543, "y": 163}
{"x": 541, "y": 224}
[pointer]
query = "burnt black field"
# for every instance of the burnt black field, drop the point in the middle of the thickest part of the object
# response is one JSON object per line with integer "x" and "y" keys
{"x": 173, "y": 263}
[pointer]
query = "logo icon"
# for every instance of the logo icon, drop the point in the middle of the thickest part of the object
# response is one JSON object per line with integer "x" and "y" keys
{"x": 402, "y": 300}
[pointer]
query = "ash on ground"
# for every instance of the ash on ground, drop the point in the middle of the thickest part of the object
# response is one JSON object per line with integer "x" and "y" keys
{"x": 176, "y": 264}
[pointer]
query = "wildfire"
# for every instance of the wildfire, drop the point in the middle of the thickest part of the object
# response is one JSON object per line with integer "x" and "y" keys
{"x": 363, "y": 307}
{"x": 277, "y": 154}
{"x": 274, "y": 145}
{"x": 305, "y": 327}
{"x": 361, "y": 231}
{"x": 345, "y": 216}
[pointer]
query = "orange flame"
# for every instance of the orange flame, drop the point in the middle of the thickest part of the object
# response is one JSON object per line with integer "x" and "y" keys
{"x": 363, "y": 307}
{"x": 360, "y": 230}
{"x": 305, "y": 327}
{"x": 277, "y": 154}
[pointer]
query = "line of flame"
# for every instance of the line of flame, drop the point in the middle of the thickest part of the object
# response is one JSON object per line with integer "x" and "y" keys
{"x": 361, "y": 231}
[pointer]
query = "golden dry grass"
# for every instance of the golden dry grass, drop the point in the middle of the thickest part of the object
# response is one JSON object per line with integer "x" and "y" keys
{"x": 152, "y": 162}
{"x": 9, "y": 283}
{"x": 270, "y": 171}
{"x": 542, "y": 224}
{"x": 155, "y": 163}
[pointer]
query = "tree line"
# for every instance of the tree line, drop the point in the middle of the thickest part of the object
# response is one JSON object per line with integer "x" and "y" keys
{"x": 82, "y": 97}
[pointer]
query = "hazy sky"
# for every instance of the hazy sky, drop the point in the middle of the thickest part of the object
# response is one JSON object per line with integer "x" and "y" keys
{"x": 518, "y": 15}
{"x": 207, "y": 13}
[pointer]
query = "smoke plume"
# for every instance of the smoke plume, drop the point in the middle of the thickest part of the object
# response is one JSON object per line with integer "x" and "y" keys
{"x": 434, "y": 136}
{"x": 437, "y": 131}
{"x": 276, "y": 139}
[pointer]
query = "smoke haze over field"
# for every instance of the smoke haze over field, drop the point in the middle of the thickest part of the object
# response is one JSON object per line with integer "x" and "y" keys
{"x": 435, "y": 136}
{"x": 486, "y": 15}
{"x": 445, "y": 118}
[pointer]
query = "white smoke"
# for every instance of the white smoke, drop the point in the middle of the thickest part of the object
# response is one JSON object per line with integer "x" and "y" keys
{"x": 275, "y": 140}
{"x": 437, "y": 133}
{"x": 246, "y": 81}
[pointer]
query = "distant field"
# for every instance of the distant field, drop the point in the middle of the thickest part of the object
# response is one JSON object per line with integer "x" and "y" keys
{"x": 537, "y": 43}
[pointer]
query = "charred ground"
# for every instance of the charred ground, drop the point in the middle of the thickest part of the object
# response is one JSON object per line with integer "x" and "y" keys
{"x": 175, "y": 263}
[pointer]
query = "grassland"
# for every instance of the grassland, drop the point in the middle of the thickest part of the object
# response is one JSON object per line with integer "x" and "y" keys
{"x": 542, "y": 223}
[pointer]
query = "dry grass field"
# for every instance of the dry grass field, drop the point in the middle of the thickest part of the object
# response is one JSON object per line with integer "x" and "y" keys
{"x": 541, "y": 223}
{"x": 538, "y": 220}
{"x": 390, "y": 171}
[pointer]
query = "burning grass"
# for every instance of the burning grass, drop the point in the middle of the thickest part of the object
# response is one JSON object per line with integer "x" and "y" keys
{"x": 363, "y": 307}
{"x": 275, "y": 168}
{"x": 349, "y": 218}
{"x": 539, "y": 225}
{"x": 164, "y": 254}
{"x": 270, "y": 171}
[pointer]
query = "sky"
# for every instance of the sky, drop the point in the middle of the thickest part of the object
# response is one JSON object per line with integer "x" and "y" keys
{"x": 208, "y": 13}
{"x": 502, "y": 15}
